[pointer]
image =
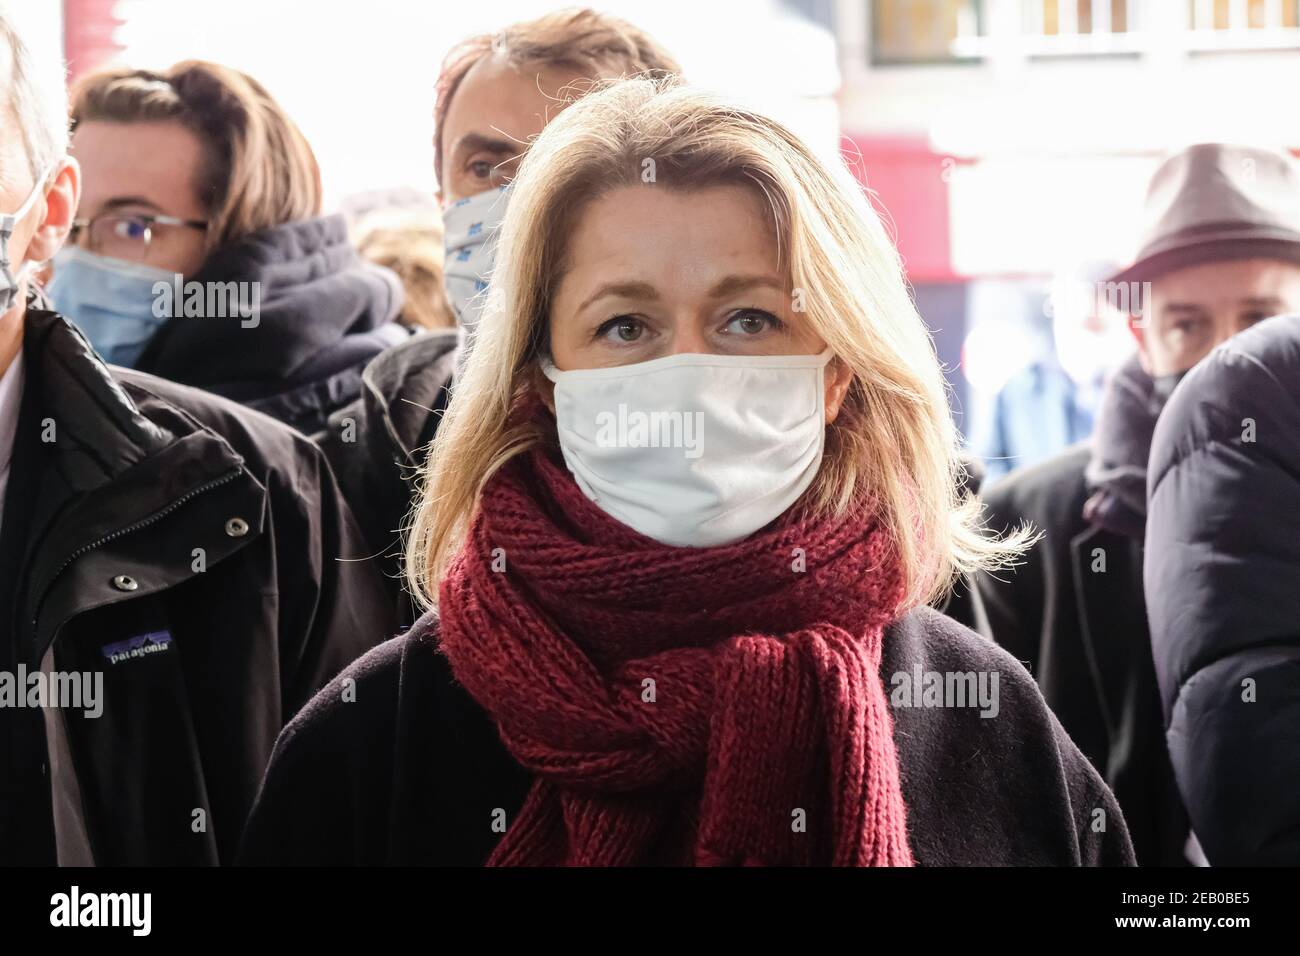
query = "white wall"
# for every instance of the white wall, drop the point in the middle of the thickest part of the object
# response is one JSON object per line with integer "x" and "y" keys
{"x": 40, "y": 24}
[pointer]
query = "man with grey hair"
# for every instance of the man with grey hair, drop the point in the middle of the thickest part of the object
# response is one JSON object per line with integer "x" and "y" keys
{"x": 188, "y": 554}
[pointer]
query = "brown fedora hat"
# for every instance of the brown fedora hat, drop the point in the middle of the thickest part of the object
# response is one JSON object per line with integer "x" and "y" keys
{"x": 1213, "y": 202}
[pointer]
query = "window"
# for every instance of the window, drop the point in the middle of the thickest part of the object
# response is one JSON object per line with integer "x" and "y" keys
{"x": 1217, "y": 25}
{"x": 1244, "y": 14}
{"x": 1081, "y": 27}
{"x": 923, "y": 31}
{"x": 1052, "y": 29}
{"x": 1074, "y": 17}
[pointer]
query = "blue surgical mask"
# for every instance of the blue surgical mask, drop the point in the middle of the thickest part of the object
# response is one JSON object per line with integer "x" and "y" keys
{"x": 113, "y": 302}
{"x": 470, "y": 227}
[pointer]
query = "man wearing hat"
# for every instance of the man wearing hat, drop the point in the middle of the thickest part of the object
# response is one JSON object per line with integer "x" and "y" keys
{"x": 1220, "y": 253}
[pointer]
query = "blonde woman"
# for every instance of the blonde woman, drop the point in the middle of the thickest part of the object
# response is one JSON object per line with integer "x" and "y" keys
{"x": 679, "y": 526}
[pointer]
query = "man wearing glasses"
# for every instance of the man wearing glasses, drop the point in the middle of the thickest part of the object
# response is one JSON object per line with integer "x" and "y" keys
{"x": 128, "y": 235}
{"x": 202, "y": 253}
{"x": 124, "y": 245}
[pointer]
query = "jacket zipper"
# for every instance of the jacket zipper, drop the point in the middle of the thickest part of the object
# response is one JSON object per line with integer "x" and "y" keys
{"x": 84, "y": 549}
{"x": 144, "y": 523}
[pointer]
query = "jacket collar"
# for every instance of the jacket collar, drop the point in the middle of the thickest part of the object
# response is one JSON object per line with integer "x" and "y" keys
{"x": 408, "y": 385}
{"x": 314, "y": 295}
{"x": 114, "y": 473}
{"x": 98, "y": 431}
{"x": 1107, "y": 570}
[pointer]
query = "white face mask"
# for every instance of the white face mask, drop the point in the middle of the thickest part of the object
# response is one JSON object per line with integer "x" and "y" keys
{"x": 694, "y": 450}
{"x": 470, "y": 227}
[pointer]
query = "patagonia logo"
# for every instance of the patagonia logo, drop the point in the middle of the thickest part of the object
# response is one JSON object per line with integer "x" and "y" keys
{"x": 155, "y": 642}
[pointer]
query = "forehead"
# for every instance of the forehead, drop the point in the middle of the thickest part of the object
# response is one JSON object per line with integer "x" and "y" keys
{"x": 1226, "y": 282}
{"x": 15, "y": 170}
{"x": 673, "y": 236}
{"x": 154, "y": 161}
{"x": 504, "y": 100}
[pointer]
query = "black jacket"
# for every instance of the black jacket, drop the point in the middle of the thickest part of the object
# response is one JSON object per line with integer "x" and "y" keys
{"x": 376, "y": 445}
{"x": 1082, "y": 632}
{"x": 393, "y": 763}
{"x": 962, "y": 603}
{"x": 1223, "y": 587}
{"x": 193, "y": 553}
{"x": 324, "y": 313}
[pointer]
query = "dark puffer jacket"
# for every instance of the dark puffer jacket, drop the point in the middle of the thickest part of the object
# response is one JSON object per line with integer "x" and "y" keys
{"x": 1222, "y": 581}
{"x": 324, "y": 313}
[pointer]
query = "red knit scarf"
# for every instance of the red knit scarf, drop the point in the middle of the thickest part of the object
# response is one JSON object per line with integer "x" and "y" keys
{"x": 713, "y": 706}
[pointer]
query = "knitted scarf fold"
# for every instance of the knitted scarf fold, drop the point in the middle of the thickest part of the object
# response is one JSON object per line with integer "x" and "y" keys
{"x": 679, "y": 706}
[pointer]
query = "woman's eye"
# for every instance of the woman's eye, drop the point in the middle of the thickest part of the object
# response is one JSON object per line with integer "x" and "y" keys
{"x": 753, "y": 322}
{"x": 621, "y": 328}
{"x": 481, "y": 169}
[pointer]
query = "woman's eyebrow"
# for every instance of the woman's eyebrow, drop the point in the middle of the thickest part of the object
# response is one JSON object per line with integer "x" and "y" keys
{"x": 624, "y": 290}
{"x": 724, "y": 287}
{"x": 741, "y": 283}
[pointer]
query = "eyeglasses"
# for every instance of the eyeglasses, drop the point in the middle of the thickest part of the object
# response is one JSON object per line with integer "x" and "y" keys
{"x": 127, "y": 237}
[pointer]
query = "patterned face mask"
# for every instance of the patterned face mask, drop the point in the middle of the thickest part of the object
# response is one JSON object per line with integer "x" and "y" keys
{"x": 470, "y": 227}
{"x": 9, "y": 283}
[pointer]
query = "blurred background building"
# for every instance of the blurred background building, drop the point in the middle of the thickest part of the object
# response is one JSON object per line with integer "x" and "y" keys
{"x": 1008, "y": 142}
{"x": 1011, "y": 142}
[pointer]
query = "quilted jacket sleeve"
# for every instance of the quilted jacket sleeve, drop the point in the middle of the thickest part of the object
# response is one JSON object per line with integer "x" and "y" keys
{"x": 1222, "y": 581}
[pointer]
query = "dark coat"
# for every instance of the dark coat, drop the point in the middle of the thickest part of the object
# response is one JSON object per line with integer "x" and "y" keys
{"x": 1223, "y": 587}
{"x": 144, "y": 514}
{"x": 376, "y": 445}
{"x": 401, "y": 766}
{"x": 324, "y": 314}
{"x": 962, "y": 602}
{"x": 1083, "y": 635}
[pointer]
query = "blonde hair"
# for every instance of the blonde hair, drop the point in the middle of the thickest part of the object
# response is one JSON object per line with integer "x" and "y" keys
{"x": 410, "y": 244}
{"x": 259, "y": 170}
{"x": 893, "y": 440}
